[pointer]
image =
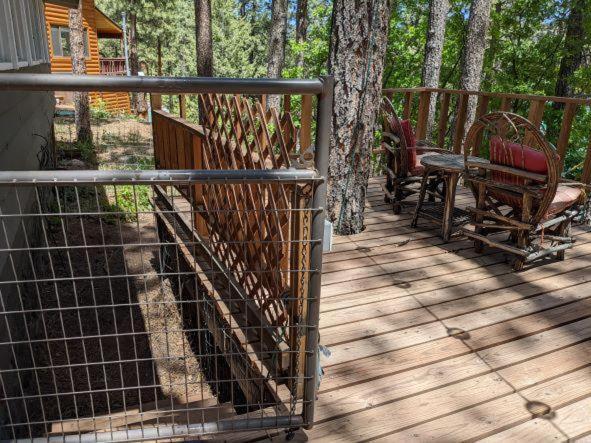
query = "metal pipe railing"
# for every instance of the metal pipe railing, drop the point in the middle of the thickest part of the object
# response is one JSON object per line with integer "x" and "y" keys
{"x": 159, "y": 85}
{"x": 116, "y": 177}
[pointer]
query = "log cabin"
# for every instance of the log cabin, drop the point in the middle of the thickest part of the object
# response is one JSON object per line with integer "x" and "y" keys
{"x": 97, "y": 26}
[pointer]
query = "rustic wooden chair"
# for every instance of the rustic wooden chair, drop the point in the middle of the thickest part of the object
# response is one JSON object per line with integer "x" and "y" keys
{"x": 519, "y": 190}
{"x": 403, "y": 159}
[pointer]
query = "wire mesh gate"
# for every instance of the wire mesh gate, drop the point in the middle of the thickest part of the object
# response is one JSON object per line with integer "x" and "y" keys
{"x": 118, "y": 323}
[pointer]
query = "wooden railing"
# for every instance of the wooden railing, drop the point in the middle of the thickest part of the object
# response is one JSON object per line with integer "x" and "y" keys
{"x": 252, "y": 227}
{"x": 559, "y": 113}
{"x": 112, "y": 66}
{"x": 302, "y": 118}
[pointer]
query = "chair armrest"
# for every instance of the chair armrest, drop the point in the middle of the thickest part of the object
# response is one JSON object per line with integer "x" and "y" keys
{"x": 425, "y": 143}
{"x": 423, "y": 146}
{"x": 508, "y": 170}
{"x": 426, "y": 149}
{"x": 391, "y": 136}
{"x": 574, "y": 183}
{"x": 386, "y": 147}
{"x": 534, "y": 190}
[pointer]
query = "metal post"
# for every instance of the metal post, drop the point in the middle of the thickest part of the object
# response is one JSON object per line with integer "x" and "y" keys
{"x": 125, "y": 48}
{"x": 323, "y": 128}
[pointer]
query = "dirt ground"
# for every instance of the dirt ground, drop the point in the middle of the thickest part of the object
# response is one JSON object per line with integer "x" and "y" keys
{"x": 119, "y": 143}
{"x": 105, "y": 326}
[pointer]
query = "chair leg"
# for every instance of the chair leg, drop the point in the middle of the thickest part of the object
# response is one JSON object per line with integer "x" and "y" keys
{"x": 448, "y": 206}
{"x": 522, "y": 243}
{"x": 564, "y": 231}
{"x": 432, "y": 190}
{"x": 397, "y": 200}
{"x": 518, "y": 264}
{"x": 424, "y": 183}
{"x": 480, "y": 204}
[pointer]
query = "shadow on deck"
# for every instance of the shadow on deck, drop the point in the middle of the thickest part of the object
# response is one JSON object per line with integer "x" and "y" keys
{"x": 433, "y": 341}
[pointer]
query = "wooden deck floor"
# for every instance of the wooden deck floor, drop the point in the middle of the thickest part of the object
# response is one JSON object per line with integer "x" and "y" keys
{"x": 432, "y": 341}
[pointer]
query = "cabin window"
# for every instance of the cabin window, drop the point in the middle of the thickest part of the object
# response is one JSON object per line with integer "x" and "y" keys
{"x": 23, "y": 41}
{"x": 60, "y": 41}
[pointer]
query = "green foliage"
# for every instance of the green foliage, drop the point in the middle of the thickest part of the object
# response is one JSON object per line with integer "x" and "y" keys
{"x": 99, "y": 110}
{"x": 315, "y": 49}
{"x": 525, "y": 47}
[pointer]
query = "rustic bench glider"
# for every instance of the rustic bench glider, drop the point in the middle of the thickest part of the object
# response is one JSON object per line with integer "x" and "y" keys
{"x": 519, "y": 191}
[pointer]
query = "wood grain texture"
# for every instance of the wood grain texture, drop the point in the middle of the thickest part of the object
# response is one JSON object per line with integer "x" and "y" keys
{"x": 437, "y": 342}
{"x": 58, "y": 15}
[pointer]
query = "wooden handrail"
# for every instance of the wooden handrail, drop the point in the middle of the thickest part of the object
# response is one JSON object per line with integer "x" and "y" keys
{"x": 501, "y": 95}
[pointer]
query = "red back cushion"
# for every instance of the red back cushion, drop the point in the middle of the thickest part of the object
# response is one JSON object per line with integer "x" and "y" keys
{"x": 409, "y": 138}
{"x": 504, "y": 152}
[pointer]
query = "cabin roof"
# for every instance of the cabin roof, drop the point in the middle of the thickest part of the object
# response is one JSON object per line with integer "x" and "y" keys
{"x": 105, "y": 27}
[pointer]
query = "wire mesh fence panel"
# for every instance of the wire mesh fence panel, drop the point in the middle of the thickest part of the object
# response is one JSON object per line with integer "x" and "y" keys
{"x": 120, "y": 320}
{"x": 119, "y": 141}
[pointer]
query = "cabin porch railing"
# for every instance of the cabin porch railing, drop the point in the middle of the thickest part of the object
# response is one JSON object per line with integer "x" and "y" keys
{"x": 451, "y": 116}
{"x": 112, "y": 66}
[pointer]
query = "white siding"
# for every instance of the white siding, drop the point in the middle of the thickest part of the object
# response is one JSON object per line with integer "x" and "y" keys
{"x": 23, "y": 41}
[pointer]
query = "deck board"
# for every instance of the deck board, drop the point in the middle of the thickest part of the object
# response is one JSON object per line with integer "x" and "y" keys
{"x": 431, "y": 341}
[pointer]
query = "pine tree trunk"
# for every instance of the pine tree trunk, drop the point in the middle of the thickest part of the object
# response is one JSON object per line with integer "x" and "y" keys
{"x": 433, "y": 52}
{"x": 573, "y": 50}
{"x": 159, "y": 57}
{"x": 242, "y": 9}
{"x": 204, "y": 38}
{"x": 473, "y": 53}
{"x": 358, "y": 46}
{"x": 81, "y": 100}
{"x": 301, "y": 31}
{"x": 276, "y": 46}
{"x": 138, "y": 100}
{"x": 134, "y": 65}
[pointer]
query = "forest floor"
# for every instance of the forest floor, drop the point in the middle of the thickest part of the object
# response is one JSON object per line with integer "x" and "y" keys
{"x": 118, "y": 143}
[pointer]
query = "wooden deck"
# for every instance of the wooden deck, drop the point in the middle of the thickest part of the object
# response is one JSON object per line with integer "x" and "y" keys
{"x": 432, "y": 341}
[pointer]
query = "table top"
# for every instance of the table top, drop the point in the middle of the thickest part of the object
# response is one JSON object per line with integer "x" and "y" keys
{"x": 448, "y": 162}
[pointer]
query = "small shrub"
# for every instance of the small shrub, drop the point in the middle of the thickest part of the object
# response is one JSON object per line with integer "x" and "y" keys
{"x": 99, "y": 110}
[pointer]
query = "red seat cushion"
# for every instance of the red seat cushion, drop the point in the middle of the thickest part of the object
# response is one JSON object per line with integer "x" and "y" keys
{"x": 565, "y": 197}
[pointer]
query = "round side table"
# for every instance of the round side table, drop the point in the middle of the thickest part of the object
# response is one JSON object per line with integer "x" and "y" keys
{"x": 451, "y": 166}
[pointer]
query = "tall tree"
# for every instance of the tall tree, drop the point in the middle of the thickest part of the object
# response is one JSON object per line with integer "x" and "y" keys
{"x": 139, "y": 102}
{"x": 433, "y": 52}
{"x": 81, "y": 100}
{"x": 203, "y": 38}
{"x": 574, "y": 42}
{"x": 276, "y": 46}
{"x": 301, "y": 32}
{"x": 473, "y": 52}
{"x": 357, "y": 48}
{"x": 134, "y": 62}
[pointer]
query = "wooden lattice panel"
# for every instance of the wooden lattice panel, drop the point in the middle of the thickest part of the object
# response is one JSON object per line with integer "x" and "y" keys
{"x": 249, "y": 225}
